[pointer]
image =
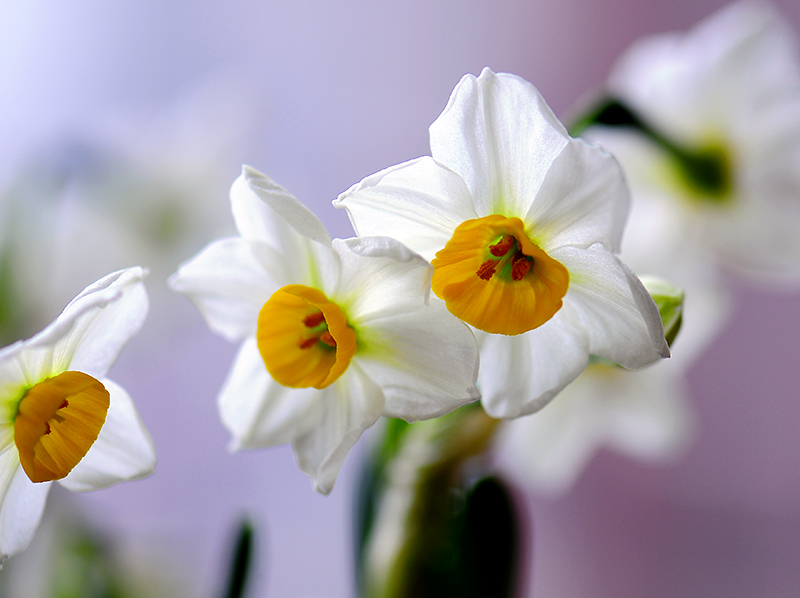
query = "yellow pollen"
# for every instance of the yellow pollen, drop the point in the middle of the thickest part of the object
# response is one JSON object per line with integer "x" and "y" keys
{"x": 492, "y": 276}
{"x": 57, "y": 422}
{"x": 303, "y": 338}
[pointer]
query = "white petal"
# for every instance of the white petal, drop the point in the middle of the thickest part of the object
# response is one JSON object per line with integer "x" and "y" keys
{"x": 425, "y": 360}
{"x": 91, "y": 330}
{"x": 9, "y": 458}
{"x": 262, "y": 210}
{"x": 123, "y": 450}
{"x": 583, "y": 200}
{"x": 719, "y": 71}
{"x": 643, "y": 414}
{"x": 420, "y": 203}
{"x": 229, "y": 281}
{"x": 619, "y": 315}
{"x": 520, "y": 374}
{"x": 347, "y": 408}
{"x": 550, "y": 448}
{"x": 258, "y": 411}
{"x": 379, "y": 277}
{"x": 20, "y": 513}
{"x": 16, "y": 377}
{"x": 498, "y": 133}
{"x": 650, "y": 417}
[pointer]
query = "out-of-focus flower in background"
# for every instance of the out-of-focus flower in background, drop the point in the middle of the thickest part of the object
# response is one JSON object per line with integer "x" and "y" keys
{"x": 129, "y": 189}
{"x": 507, "y": 187}
{"x": 334, "y": 333}
{"x": 62, "y": 419}
{"x": 706, "y": 125}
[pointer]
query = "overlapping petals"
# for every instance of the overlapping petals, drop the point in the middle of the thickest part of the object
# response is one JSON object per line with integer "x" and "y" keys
{"x": 85, "y": 338}
{"x": 497, "y": 149}
{"x": 412, "y": 359}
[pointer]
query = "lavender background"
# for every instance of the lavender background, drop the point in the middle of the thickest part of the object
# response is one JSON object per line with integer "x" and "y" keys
{"x": 324, "y": 94}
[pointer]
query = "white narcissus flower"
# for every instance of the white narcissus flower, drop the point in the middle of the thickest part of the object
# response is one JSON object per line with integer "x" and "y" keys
{"x": 522, "y": 224}
{"x": 711, "y": 140}
{"x": 60, "y": 419}
{"x": 336, "y": 333}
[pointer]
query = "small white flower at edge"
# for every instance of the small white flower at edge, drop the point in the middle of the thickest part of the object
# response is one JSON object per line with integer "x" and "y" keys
{"x": 335, "y": 333}
{"x": 522, "y": 224}
{"x": 60, "y": 418}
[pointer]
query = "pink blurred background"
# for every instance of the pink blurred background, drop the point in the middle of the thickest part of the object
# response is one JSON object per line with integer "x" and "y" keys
{"x": 322, "y": 95}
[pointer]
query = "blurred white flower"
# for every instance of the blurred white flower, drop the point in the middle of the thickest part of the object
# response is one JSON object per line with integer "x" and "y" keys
{"x": 641, "y": 414}
{"x": 709, "y": 137}
{"x": 524, "y": 224}
{"x": 128, "y": 188}
{"x": 336, "y": 333}
{"x": 60, "y": 418}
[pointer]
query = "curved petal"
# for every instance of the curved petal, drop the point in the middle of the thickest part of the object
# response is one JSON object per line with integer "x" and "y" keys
{"x": 420, "y": 203}
{"x": 123, "y": 450}
{"x": 643, "y": 414}
{"x": 498, "y": 133}
{"x": 521, "y": 374}
{"x": 649, "y": 416}
{"x": 343, "y": 412}
{"x": 9, "y": 458}
{"x": 229, "y": 281}
{"x": 91, "y": 330}
{"x": 583, "y": 200}
{"x": 550, "y": 448}
{"x": 258, "y": 411}
{"x": 619, "y": 315}
{"x": 426, "y": 362}
{"x": 16, "y": 377}
{"x": 379, "y": 276}
{"x": 20, "y": 513}
{"x": 721, "y": 70}
{"x": 262, "y": 209}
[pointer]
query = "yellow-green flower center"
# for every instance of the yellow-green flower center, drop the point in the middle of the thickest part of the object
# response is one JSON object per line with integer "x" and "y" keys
{"x": 492, "y": 276}
{"x": 706, "y": 172}
{"x": 303, "y": 338}
{"x": 57, "y": 422}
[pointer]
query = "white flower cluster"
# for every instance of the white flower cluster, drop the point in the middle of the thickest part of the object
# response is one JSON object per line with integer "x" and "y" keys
{"x": 522, "y": 226}
{"x": 487, "y": 271}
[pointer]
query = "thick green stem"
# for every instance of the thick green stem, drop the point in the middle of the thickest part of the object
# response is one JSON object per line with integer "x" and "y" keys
{"x": 422, "y": 525}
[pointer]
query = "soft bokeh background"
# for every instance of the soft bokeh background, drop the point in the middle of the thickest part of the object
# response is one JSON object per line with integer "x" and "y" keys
{"x": 113, "y": 110}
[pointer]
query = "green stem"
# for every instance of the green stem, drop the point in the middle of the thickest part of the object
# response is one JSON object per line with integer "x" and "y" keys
{"x": 423, "y": 514}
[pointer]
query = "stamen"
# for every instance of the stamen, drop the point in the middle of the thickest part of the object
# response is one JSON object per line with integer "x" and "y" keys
{"x": 308, "y": 343}
{"x": 502, "y": 247}
{"x": 520, "y": 266}
{"x": 487, "y": 269}
{"x": 314, "y": 320}
{"x": 328, "y": 339}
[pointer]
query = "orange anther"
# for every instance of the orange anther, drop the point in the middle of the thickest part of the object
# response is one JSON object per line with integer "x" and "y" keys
{"x": 502, "y": 247}
{"x": 520, "y": 266}
{"x": 328, "y": 339}
{"x": 314, "y": 320}
{"x": 308, "y": 343}
{"x": 486, "y": 271}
